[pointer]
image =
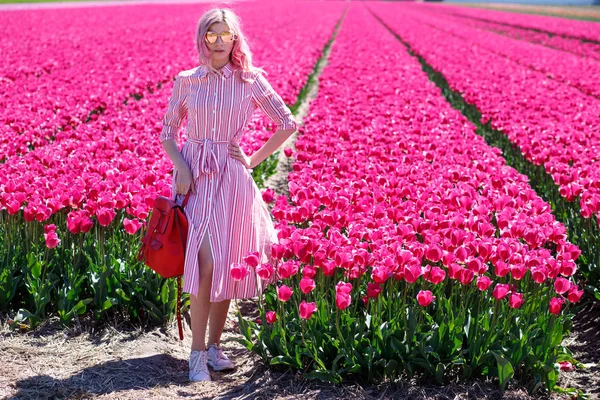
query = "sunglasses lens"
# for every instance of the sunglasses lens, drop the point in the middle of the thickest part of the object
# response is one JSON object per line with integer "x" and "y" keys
{"x": 211, "y": 37}
{"x": 227, "y": 37}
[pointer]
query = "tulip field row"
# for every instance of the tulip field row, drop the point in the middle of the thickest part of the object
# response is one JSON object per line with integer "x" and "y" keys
{"x": 570, "y": 69}
{"x": 575, "y": 46}
{"x": 552, "y": 123}
{"x": 407, "y": 244}
{"x": 569, "y": 28}
{"x": 108, "y": 59}
{"x": 73, "y": 209}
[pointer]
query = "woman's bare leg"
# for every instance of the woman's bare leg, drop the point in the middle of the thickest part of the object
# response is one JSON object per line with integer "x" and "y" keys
{"x": 200, "y": 305}
{"x": 218, "y": 317}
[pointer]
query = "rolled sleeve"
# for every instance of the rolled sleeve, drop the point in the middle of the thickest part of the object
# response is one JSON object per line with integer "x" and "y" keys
{"x": 176, "y": 112}
{"x": 271, "y": 103}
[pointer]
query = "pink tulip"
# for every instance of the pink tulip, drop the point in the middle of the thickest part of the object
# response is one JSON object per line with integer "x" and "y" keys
{"x": 265, "y": 271}
{"x": 556, "y": 305}
{"x": 252, "y": 259}
{"x": 561, "y": 285}
{"x": 539, "y": 274}
{"x": 277, "y": 251}
{"x": 466, "y": 276}
{"x": 342, "y": 300}
{"x": 373, "y": 290}
{"x": 131, "y": 225}
{"x": 518, "y": 271}
{"x": 287, "y": 269}
{"x": 307, "y": 309}
{"x": 412, "y": 273}
{"x": 568, "y": 268}
{"x": 566, "y": 366}
{"x": 268, "y": 195}
{"x": 238, "y": 271}
{"x": 284, "y": 293}
{"x": 288, "y": 151}
{"x": 425, "y": 297}
{"x": 328, "y": 267}
{"x": 343, "y": 287}
{"x": 515, "y": 300}
{"x": 436, "y": 275}
{"x": 52, "y": 239}
{"x": 105, "y": 216}
{"x": 500, "y": 291}
{"x": 574, "y": 294}
{"x": 434, "y": 253}
{"x": 502, "y": 269}
{"x": 381, "y": 274}
{"x": 49, "y": 228}
{"x": 307, "y": 285}
{"x": 309, "y": 271}
{"x": 483, "y": 283}
{"x": 271, "y": 317}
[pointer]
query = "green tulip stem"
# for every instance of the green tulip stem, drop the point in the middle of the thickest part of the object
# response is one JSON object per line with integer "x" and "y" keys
{"x": 492, "y": 325}
{"x": 281, "y": 312}
{"x": 390, "y": 297}
{"x": 44, "y": 267}
{"x": 403, "y": 308}
{"x": 337, "y": 327}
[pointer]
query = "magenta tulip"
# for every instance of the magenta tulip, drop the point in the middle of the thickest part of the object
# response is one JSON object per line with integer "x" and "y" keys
{"x": 500, "y": 291}
{"x": 307, "y": 309}
{"x": 561, "y": 285}
{"x": 307, "y": 285}
{"x": 252, "y": 259}
{"x": 556, "y": 305}
{"x": 425, "y": 297}
{"x": 271, "y": 317}
{"x": 238, "y": 271}
{"x": 284, "y": 293}
{"x": 483, "y": 283}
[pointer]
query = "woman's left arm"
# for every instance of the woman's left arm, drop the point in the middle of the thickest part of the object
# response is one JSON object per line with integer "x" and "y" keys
{"x": 271, "y": 103}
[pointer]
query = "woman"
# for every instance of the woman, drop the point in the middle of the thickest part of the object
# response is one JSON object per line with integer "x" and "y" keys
{"x": 227, "y": 217}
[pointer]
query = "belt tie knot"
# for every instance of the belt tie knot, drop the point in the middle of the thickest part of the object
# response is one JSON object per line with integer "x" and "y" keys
{"x": 207, "y": 162}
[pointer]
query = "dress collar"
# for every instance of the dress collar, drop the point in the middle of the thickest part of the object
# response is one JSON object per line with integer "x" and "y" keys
{"x": 226, "y": 70}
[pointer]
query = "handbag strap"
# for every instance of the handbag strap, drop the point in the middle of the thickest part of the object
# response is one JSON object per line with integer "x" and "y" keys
{"x": 185, "y": 200}
{"x": 179, "y": 325}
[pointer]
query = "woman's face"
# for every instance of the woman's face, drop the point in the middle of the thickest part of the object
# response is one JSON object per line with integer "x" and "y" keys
{"x": 219, "y": 50}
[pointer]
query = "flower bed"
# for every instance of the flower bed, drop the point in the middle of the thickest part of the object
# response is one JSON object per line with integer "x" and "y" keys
{"x": 72, "y": 210}
{"x": 408, "y": 246}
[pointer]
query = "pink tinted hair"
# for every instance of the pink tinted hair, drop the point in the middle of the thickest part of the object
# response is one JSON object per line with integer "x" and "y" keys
{"x": 240, "y": 56}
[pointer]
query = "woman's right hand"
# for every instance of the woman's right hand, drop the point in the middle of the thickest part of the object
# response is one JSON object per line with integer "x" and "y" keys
{"x": 184, "y": 181}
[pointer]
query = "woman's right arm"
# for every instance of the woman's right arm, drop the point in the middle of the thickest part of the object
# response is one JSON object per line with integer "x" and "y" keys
{"x": 170, "y": 131}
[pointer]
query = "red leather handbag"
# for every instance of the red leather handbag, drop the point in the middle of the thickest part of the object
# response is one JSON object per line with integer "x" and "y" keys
{"x": 163, "y": 245}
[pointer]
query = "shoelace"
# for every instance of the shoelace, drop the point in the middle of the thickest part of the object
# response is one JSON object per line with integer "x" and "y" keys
{"x": 219, "y": 352}
{"x": 200, "y": 362}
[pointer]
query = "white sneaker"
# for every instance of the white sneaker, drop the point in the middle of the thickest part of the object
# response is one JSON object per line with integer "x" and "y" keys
{"x": 198, "y": 368}
{"x": 217, "y": 360}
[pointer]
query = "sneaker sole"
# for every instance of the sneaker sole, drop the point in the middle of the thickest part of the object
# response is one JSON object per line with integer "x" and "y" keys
{"x": 219, "y": 368}
{"x": 200, "y": 380}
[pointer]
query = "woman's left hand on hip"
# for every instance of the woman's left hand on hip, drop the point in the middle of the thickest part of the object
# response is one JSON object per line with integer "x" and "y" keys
{"x": 236, "y": 152}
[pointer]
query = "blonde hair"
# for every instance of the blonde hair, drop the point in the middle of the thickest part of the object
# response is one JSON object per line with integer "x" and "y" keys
{"x": 240, "y": 56}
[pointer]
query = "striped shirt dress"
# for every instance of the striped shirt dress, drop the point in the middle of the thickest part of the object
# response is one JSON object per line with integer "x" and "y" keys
{"x": 227, "y": 203}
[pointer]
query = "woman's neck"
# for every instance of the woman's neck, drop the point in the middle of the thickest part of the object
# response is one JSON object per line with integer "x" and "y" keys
{"x": 219, "y": 64}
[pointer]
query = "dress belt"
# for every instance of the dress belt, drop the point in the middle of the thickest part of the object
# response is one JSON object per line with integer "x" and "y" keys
{"x": 202, "y": 165}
